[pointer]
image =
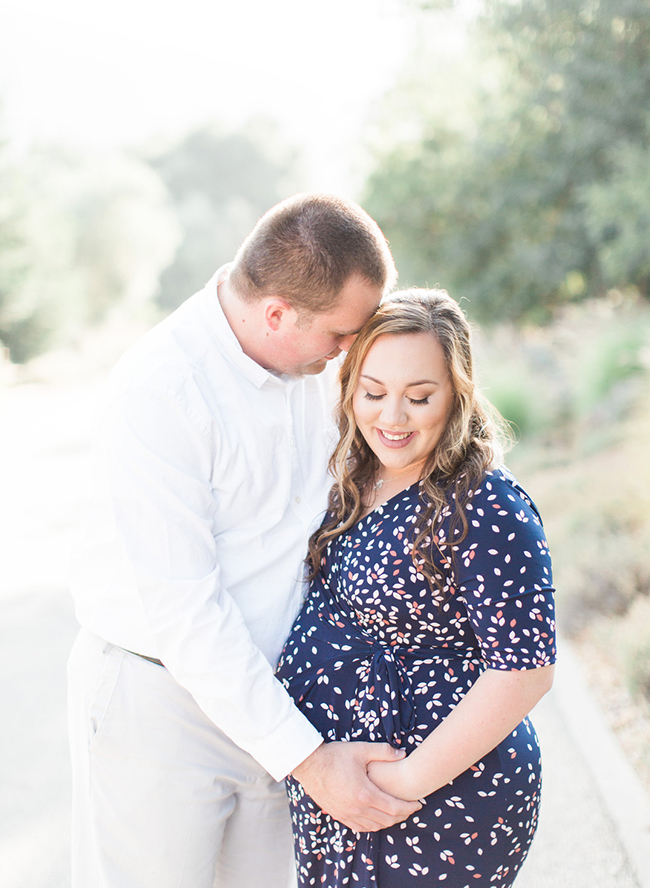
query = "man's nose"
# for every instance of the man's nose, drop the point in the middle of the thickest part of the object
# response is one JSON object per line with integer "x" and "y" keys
{"x": 347, "y": 341}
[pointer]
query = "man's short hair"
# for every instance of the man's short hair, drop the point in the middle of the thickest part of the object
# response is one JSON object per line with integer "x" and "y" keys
{"x": 306, "y": 248}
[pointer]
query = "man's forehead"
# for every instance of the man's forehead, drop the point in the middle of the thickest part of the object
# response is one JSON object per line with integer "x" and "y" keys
{"x": 355, "y": 302}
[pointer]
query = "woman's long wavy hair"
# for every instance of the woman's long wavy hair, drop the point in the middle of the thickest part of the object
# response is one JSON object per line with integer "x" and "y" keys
{"x": 472, "y": 443}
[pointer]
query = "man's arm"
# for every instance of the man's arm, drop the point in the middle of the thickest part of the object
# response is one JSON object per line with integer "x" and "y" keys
{"x": 157, "y": 465}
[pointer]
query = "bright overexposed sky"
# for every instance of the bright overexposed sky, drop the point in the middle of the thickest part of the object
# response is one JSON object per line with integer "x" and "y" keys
{"x": 95, "y": 74}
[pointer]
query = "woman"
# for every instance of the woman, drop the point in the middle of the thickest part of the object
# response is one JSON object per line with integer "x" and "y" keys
{"x": 429, "y": 621}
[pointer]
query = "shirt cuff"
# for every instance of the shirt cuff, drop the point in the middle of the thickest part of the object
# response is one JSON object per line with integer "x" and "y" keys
{"x": 288, "y": 746}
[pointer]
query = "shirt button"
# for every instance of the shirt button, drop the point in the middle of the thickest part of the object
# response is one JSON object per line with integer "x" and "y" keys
{"x": 298, "y": 500}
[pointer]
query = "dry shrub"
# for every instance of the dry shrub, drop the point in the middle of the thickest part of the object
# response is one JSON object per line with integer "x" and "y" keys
{"x": 596, "y": 510}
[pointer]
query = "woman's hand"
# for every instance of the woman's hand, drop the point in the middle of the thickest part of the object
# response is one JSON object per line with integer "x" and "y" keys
{"x": 396, "y": 779}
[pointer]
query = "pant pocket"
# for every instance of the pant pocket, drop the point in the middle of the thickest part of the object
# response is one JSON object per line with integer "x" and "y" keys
{"x": 103, "y": 699}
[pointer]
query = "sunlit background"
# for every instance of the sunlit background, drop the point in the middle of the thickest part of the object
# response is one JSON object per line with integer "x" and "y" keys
{"x": 502, "y": 145}
{"x": 89, "y": 75}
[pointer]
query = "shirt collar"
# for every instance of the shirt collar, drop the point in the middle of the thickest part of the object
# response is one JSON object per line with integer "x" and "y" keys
{"x": 220, "y": 330}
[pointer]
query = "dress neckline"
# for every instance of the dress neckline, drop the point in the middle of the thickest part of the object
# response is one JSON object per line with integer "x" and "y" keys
{"x": 387, "y": 502}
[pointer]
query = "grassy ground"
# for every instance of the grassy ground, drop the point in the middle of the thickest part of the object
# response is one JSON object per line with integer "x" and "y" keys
{"x": 580, "y": 393}
{"x": 599, "y": 534}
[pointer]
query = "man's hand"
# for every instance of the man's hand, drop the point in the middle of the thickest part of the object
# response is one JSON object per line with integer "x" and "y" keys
{"x": 335, "y": 776}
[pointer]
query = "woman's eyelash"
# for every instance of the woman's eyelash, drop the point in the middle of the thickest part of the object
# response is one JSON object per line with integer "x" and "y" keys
{"x": 412, "y": 400}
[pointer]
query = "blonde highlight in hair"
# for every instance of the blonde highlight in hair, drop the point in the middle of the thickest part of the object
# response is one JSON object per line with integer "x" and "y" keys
{"x": 471, "y": 444}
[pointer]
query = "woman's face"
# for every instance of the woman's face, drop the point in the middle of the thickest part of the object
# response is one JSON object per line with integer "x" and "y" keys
{"x": 403, "y": 399}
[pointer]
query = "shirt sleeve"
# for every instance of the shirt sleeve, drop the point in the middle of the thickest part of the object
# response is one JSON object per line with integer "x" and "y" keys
{"x": 157, "y": 461}
{"x": 504, "y": 575}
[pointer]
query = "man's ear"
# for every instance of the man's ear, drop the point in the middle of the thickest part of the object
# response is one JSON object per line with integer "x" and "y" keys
{"x": 277, "y": 312}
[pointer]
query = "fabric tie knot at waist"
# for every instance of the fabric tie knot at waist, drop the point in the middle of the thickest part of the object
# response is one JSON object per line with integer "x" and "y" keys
{"x": 390, "y": 691}
{"x": 393, "y": 693}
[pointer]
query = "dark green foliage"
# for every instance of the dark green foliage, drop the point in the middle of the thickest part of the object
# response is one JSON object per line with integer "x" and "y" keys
{"x": 505, "y": 215}
{"x": 619, "y": 219}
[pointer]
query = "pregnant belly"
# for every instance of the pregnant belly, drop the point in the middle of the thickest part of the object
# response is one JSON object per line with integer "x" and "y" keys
{"x": 386, "y": 696}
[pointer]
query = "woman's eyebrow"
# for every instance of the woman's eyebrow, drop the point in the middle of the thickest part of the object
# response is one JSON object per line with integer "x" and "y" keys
{"x": 410, "y": 384}
{"x": 371, "y": 378}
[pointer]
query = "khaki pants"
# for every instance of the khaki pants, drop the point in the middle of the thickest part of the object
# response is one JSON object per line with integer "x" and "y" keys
{"x": 161, "y": 797}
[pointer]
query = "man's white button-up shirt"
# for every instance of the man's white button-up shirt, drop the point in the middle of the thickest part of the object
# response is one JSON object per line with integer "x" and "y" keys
{"x": 210, "y": 474}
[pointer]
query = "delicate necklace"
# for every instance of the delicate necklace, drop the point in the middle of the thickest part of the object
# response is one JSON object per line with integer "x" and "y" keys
{"x": 380, "y": 483}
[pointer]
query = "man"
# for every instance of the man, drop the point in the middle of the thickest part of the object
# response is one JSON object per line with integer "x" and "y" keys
{"x": 211, "y": 450}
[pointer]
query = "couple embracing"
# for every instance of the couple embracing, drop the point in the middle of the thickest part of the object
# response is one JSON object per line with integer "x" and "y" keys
{"x": 375, "y": 703}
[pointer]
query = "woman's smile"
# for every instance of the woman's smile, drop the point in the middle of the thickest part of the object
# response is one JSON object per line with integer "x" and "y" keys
{"x": 394, "y": 439}
{"x": 403, "y": 399}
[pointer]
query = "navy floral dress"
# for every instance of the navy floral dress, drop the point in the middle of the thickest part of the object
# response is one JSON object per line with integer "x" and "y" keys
{"x": 374, "y": 655}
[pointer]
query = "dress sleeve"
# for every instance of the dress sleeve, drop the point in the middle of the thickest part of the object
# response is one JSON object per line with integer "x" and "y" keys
{"x": 503, "y": 574}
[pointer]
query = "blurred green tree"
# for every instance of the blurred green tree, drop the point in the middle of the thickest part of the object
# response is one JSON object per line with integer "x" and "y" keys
{"x": 618, "y": 212}
{"x": 22, "y": 328}
{"x": 79, "y": 237}
{"x": 220, "y": 184}
{"x": 499, "y": 211}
